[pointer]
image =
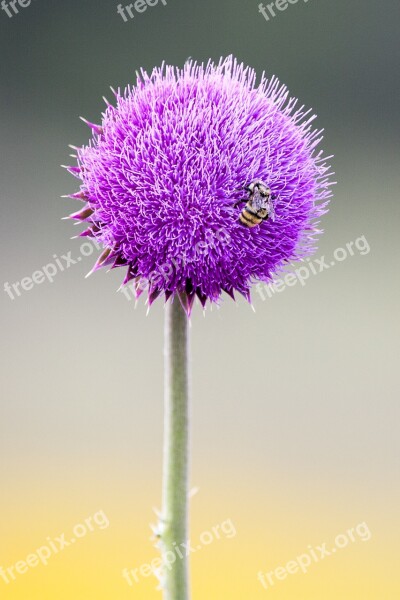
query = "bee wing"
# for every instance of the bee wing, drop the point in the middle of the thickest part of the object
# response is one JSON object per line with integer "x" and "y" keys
{"x": 272, "y": 213}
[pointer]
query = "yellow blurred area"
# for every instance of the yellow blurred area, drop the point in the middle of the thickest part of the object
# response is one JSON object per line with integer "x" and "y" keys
{"x": 268, "y": 528}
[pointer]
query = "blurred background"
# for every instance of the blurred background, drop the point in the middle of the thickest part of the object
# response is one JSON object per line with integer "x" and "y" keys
{"x": 298, "y": 454}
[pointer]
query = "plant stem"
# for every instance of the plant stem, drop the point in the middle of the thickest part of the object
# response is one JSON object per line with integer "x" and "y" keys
{"x": 174, "y": 528}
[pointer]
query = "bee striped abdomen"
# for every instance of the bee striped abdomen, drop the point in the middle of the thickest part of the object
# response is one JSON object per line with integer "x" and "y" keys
{"x": 249, "y": 218}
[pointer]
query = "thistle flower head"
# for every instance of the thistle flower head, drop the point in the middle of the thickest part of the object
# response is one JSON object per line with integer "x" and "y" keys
{"x": 172, "y": 166}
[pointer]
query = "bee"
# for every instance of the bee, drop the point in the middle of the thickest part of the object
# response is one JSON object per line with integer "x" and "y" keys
{"x": 259, "y": 204}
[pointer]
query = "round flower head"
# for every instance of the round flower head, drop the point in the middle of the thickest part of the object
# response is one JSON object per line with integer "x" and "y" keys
{"x": 200, "y": 181}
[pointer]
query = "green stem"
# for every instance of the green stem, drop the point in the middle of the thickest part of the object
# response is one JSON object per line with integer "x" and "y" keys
{"x": 174, "y": 528}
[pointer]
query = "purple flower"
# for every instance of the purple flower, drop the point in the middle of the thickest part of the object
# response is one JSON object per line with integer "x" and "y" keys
{"x": 164, "y": 173}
